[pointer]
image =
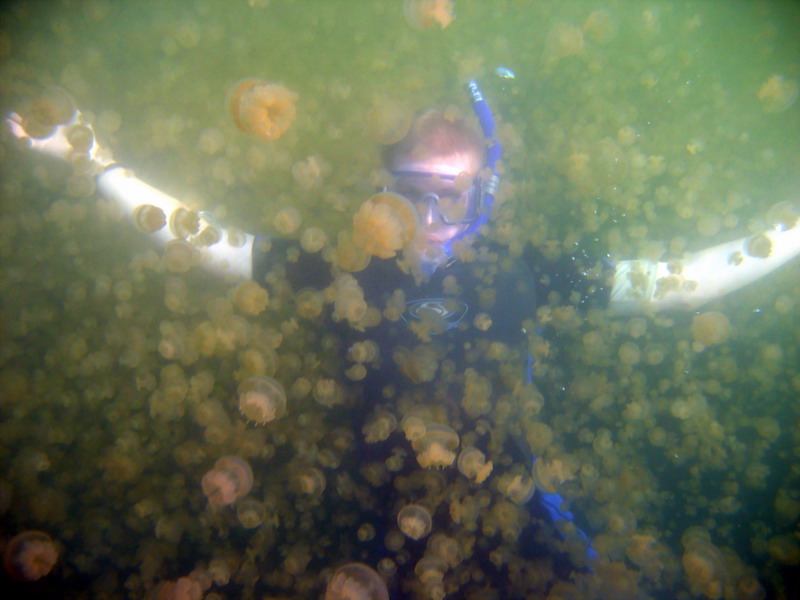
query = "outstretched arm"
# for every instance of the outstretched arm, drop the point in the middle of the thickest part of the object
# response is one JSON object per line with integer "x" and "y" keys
{"x": 159, "y": 216}
{"x": 642, "y": 285}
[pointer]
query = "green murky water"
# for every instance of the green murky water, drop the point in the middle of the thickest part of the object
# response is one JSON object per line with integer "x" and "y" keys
{"x": 652, "y": 127}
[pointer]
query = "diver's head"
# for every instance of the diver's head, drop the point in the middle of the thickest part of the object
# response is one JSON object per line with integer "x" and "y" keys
{"x": 436, "y": 166}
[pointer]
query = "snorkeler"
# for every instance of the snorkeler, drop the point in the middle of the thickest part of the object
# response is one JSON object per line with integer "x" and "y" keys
{"x": 447, "y": 172}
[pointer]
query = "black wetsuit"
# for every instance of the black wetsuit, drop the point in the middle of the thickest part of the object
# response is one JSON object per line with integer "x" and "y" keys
{"x": 508, "y": 290}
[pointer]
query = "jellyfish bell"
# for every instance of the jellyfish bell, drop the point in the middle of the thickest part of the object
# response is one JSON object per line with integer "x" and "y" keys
{"x": 260, "y": 108}
{"x": 261, "y": 400}
{"x": 29, "y": 556}
{"x": 230, "y": 479}
{"x": 710, "y": 328}
{"x": 415, "y": 521}
{"x": 384, "y": 224}
{"x": 356, "y": 581}
{"x": 53, "y": 107}
{"x": 436, "y": 448}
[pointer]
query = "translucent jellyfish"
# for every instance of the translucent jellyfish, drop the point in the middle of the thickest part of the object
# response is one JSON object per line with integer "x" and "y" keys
{"x": 288, "y": 220}
{"x": 549, "y": 473}
{"x": 705, "y": 569}
{"x": 473, "y": 465}
{"x": 388, "y": 121}
{"x": 710, "y": 328}
{"x": 230, "y": 479}
{"x": 356, "y": 581}
{"x": 519, "y": 487}
{"x": 778, "y": 93}
{"x": 784, "y": 549}
{"x": 249, "y": 298}
{"x": 328, "y": 392}
{"x": 80, "y": 137}
{"x": 53, "y": 107}
{"x": 426, "y": 14}
{"x": 183, "y": 223}
{"x": 430, "y": 571}
{"x": 179, "y": 256}
{"x": 759, "y": 246}
{"x": 263, "y": 109}
{"x": 313, "y": 240}
{"x": 309, "y": 481}
{"x": 414, "y": 427}
{"x": 29, "y": 556}
{"x": 250, "y": 513}
{"x": 379, "y": 427}
{"x": 384, "y": 224}
{"x": 436, "y": 449}
{"x": 261, "y": 400}
{"x": 415, "y": 521}
{"x": 309, "y": 303}
{"x": 311, "y": 172}
{"x": 365, "y": 351}
{"x": 349, "y": 256}
{"x": 564, "y": 40}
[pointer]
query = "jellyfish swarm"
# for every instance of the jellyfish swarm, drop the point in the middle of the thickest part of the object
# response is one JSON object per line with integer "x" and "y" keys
{"x": 230, "y": 479}
{"x": 263, "y": 109}
{"x": 29, "y": 556}
{"x": 356, "y": 581}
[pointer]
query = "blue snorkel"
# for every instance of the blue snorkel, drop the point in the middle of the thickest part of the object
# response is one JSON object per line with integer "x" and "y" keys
{"x": 493, "y": 155}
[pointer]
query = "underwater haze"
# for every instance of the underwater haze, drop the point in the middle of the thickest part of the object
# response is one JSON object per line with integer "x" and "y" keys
{"x": 649, "y": 129}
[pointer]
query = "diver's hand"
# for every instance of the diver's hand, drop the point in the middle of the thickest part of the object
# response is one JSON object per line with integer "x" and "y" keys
{"x": 74, "y": 142}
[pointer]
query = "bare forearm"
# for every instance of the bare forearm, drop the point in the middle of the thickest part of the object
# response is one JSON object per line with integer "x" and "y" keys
{"x": 160, "y": 217}
{"x": 641, "y": 286}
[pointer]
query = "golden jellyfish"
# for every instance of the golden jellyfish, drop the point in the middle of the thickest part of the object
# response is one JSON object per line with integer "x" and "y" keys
{"x": 183, "y": 223}
{"x": 710, "y": 328}
{"x": 430, "y": 571}
{"x": 288, "y": 220}
{"x": 379, "y": 427}
{"x": 519, "y": 488}
{"x": 180, "y": 256}
{"x": 29, "y": 556}
{"x": 349, "y": 256}
{"x": 250, "y": 513}
{"x": 384, "y": 224}
{"x": 436, "y": 448}
{"x": 53, "y": 107}
{"x": 705, "y": 569}
{"x": 778, "y": 93}
{"x": 149, "y": 218}
{"x": 263, "y": 109}
{"x": 310, "y": 173}
{"x": 230, "y": 479}
{"x": 415, "y": 521}
{"x": 564, "y": 40}
{"x": 261, "y": 400}
{"x": 356, "y": 581}
{"x": 80, "y": 138}
{"x": 427, "y": 14}
{"x": 313, "y": 240}
{"x": 473, "y": 465}
{"x": 309, "y": 303}
{"x": 388, "y": 122}
{"x": 250, "y": 298}
{"x": 784, "y": 549}
{"x": 414, "y": 427}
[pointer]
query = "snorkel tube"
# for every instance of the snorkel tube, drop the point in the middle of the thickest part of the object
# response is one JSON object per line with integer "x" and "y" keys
{"x": 493, "y": 155}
